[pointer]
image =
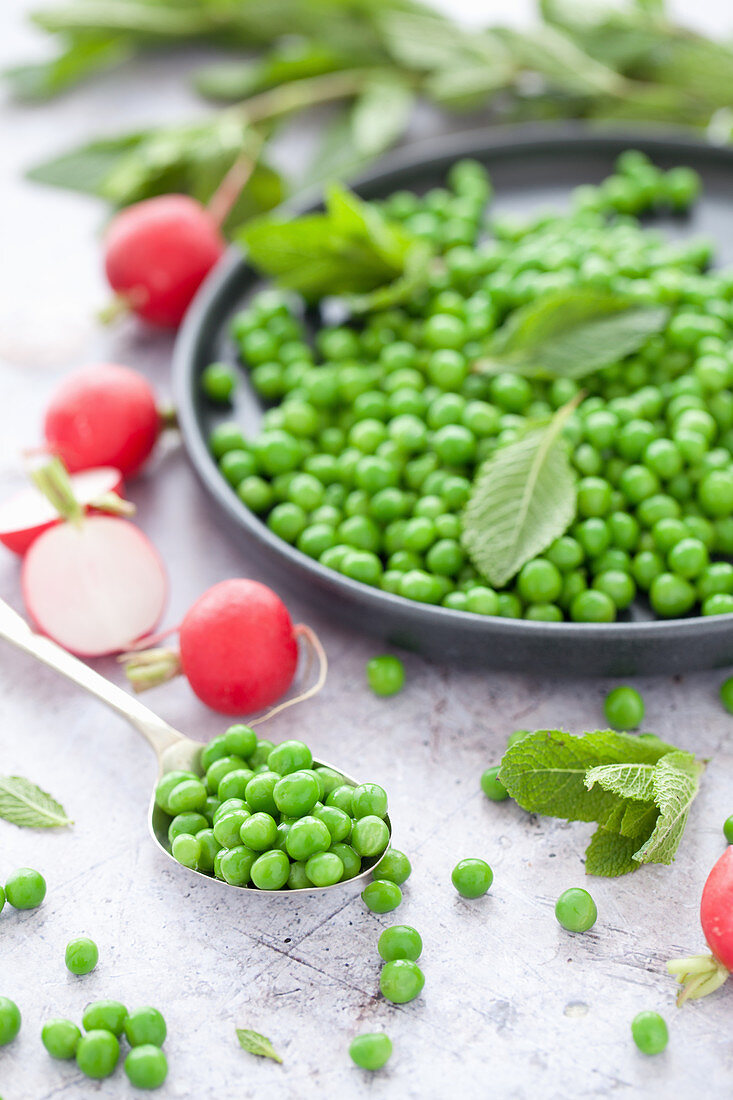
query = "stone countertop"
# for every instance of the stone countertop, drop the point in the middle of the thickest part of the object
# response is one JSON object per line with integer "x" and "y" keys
{"x": 513, "y": 1006}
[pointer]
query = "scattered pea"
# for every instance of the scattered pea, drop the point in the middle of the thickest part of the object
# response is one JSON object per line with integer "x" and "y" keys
{"x": 25, "y": 889}
{"x": 472, "y": 878}
{"x": 371, "y": 1051}
{"x": 492, "y": 786}
{"x": 145, "y": 1026}
{"x": 624, "y": 708}
{"x": 146, "y": 1066}
{"x": 401, "y": 981}
{"x": 60, "y": 1038}
{"x": 394, "y": 866}
{"x": 381, "y": 896}
{"x": 97, "y": 1054}
{"x": 575, "y": 910}
{"x": 400, "y": 941}
{"x": 82, "y": 955}
{"x": 385, "y": 674}
{"x": 649, "y": 1032}
{"x": 9, "y": 1021}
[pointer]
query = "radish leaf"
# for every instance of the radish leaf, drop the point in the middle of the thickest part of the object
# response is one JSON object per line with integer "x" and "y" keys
{"x": 23, "y": 803}
{"x": 571, "y": 333}
{"x": 523, "y": 497}
{"x": 254, "y": 1043}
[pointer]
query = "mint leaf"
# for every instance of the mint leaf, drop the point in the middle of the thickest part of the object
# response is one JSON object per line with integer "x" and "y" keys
{"x": 254, "y": 1043}
{"x": 350, "y": 248}
{"x": 676, "y": 782}
{"x": 571, "y": 333}
{"x": 638, "y": 790}
{"x": 523, "y": 497}
{"x": 626, "y": 780}
{"x": 381, "y": 113}
{"x": 546, "y": 771}
{"x": 610, "y": 855}
{"x": 23, "y": 803}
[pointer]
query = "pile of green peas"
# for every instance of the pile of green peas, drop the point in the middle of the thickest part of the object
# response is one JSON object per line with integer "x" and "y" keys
{"x": 97, "y": 1049}
{"x": 375, "y": 429}
{"x": 266, "y": 816}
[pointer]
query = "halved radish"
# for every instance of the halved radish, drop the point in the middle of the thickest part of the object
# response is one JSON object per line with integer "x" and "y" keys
{"x": 94, "y": 586}
{"x": 28, "y": 513}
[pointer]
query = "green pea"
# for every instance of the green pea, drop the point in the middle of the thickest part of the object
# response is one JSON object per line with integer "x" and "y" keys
{"x": 472, "y": 878}
{"x": 187, "y": 850}
{"x": 385, "y": 674}
{"x": 218, "y": 382}
{"x": 25, "y": 889}
{"x": 350, "y": 859}
{"x": 343, "y": 797}
{"x": 726, "y": 695}
{"x": 104, "y": 1016}
{"x": 10, "y": 1021}
{"x": 82, "y": 955}
{"x": 576, "y": 910}
{"x": 146, "y": 1067}
{"x": 270, "y": 871}
{"x": 401, "y": 981}
{"x": 324, "y": 869}
{"x": 369, "y": 799}
{"x": 188, "y": 823}
{"x": 624, "y": 708}
{"x": 336, "y": 821}
{"x": 60, "y": 1038}
{"x": 400, "y": 941}
{"x": 371, "y": 1050}
{"x": 394, "y": 866}
{"x": 189, "y": 794}
{"x": 649, "y": 1032}
{"x": 369, "y": 836}
{"x": 289, "y": 756}
{"x": 168, "y": 784}
{"x": 97, "y": 1054}
{"x": 381, "y": 896}
{"x": 145, "y": 1026}
{"x": 259, "y": 792}
{"x": 492, "y": 786}
{"x": 239, "y": 740}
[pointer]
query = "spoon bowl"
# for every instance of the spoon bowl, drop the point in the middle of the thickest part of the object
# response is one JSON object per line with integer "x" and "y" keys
{"x": 174, "y": 751}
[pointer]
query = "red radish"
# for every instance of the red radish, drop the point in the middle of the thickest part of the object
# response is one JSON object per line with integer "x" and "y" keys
{"x": 238, "y": 650}
{"x": 103, "y": 415}
{"x": 703, "y": 974}
{"x": 28, "y": 513}
{"x": 94, "y": 586}
{"x": 157, "y": 254}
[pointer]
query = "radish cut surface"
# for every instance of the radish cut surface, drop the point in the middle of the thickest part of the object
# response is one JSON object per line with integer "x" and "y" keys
{"x": 96, "y": 587}
{"x": 27, "y": 513}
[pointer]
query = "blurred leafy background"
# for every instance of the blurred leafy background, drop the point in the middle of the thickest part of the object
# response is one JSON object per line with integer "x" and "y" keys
{"x": 377, "y": 62}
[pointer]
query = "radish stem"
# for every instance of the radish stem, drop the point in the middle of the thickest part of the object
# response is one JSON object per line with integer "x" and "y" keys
{"x": 151, "y": 667}
{"x": 53, "y": 480}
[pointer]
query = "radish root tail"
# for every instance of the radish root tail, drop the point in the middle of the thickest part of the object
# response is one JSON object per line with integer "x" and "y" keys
{"x": 315, "y": 649}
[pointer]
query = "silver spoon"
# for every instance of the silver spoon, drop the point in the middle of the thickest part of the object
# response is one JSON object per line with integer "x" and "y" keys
{"x": 173, "y": 750}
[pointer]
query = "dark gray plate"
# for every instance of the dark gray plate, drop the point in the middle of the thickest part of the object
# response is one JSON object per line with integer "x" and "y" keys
{"x": 531, "y": 167}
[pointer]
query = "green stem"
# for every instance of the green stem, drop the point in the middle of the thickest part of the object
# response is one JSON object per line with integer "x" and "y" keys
{"x": 113, "y": 505}
{"x": 53, "y": 480}
{"x": 151, "y": 667}
{"x": 699, "y": 975}
{"x": 299, "y": 94}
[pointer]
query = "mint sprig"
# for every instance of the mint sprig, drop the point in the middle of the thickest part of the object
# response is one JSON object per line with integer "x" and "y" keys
{"x": 350, "y": 248}
{"x": 638, "y": 790}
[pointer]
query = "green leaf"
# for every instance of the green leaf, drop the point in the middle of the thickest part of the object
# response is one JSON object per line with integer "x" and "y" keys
{"x": 564, "y": 64}
{"x": 254, "y": 1043}
{"x": 23, "y": 803}
{"x": 627, "y": 780}
{"x": 298, "y": 60}
{"x": 610, "y": 855}
{"x": 522, "y": 498}
{"x": 336, "y": 157}
{"x": 571, "y": 333}
{"x": 84, "y": 56}
{"x": 381, "y": 113}
{"x": 676, "y": 783}
{"x": 546, "y": 771}
{"x": 86, "y": 168}
{"x": 639, "y": 791}
{"x": 350, "y": 248}
{"x": 418, "y": 263}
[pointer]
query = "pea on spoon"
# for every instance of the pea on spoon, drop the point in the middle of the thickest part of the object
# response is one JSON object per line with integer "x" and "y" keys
{"x": 174, "y": 751}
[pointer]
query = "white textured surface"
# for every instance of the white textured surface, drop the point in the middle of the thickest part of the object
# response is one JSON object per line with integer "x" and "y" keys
{"x": 513, "y": 1006}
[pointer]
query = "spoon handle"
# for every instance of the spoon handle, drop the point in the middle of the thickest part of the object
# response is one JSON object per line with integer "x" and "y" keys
{"x": 156, "y": 732}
